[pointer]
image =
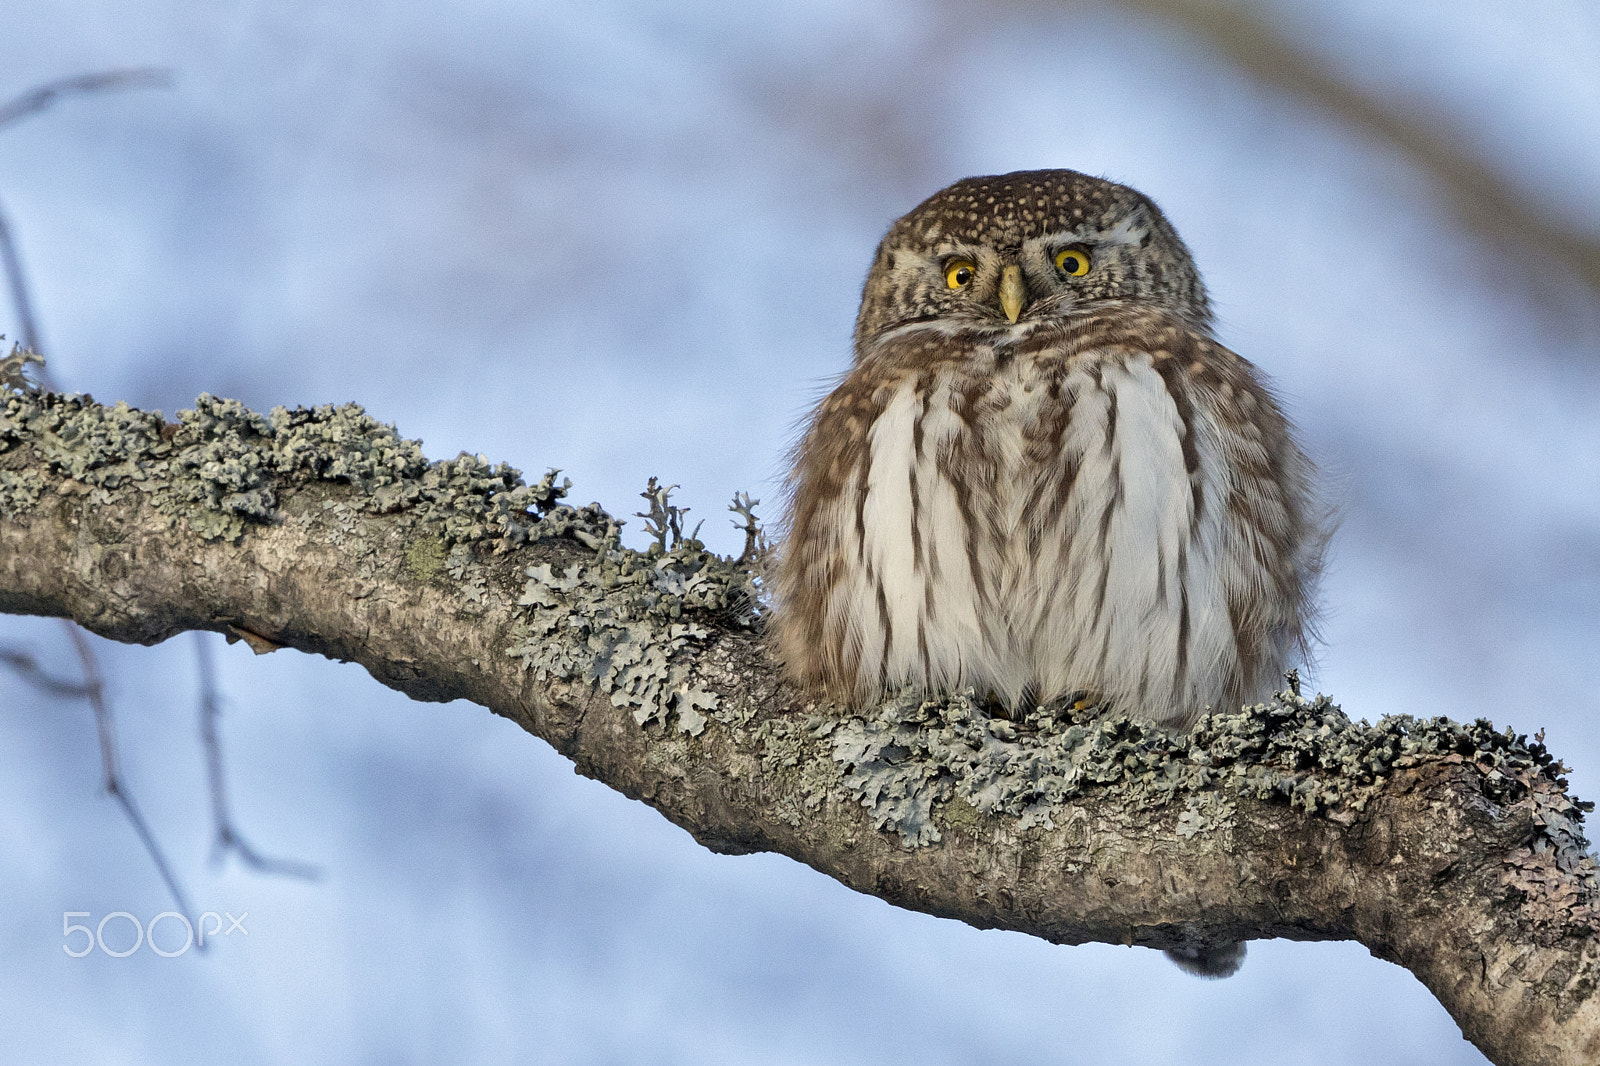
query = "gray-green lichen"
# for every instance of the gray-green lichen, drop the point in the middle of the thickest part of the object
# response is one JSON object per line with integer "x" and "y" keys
{"x": 14, "y": 373}
{"x": 619, "y": 620}
{"x": 425, "y": 557}
{"x": 1554, "y": 874}
{"x": 911, "y": 757}
{"x": 216, "y": 468}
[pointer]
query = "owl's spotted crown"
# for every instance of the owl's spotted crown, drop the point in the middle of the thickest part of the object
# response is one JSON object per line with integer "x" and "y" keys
{"x": 1023, "y": 219}
{"x": 1008, "y": 209}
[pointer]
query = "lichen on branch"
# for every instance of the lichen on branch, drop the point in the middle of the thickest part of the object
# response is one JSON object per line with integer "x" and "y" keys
{"x": 1453, "y": 849}
{"x": 216, "y": 468}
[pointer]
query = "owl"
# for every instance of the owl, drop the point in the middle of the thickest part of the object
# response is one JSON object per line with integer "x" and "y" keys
{"x": 1043, "y": 478}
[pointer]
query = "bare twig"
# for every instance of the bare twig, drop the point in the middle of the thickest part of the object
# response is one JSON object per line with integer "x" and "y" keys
{"x": 111, "y": 765}
{"x": 92, "y": 687}
{"x": 41, "y": 97}
{"x": 17, "y": 281}
{"x": 1484, "y": 200}
{"x": 29, "y": 670}
{"x": 31, "y": 102}
{"x": 227, "y": 836}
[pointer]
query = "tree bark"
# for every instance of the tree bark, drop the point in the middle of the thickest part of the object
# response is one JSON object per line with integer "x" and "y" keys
{"x": 1452, "y": 850}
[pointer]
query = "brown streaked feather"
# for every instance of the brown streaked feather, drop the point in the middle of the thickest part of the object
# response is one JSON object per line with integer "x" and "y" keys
{"x": 1101, "y": 498}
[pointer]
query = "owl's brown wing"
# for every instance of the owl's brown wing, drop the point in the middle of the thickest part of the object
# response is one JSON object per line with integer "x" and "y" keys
{"x": 1273, "y": 528}
{"x": 823, "y": 536}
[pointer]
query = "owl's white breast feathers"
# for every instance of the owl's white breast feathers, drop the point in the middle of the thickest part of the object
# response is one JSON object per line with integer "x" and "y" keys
{"x": 1034, "y": 530}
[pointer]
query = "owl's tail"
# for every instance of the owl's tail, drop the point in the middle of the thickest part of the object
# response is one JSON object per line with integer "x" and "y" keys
{"x": 1211, "y": 961}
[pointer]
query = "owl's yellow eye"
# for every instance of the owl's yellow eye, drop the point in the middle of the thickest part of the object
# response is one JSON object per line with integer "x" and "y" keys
{"x": 1074, "y": 261}
{"x": 958, "y": 274}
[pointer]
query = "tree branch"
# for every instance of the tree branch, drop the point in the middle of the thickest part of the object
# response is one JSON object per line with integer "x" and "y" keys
{"x": 41, "y": 97}
{"x": 1473, "y": 184}
{"x": 1452, "y": 850}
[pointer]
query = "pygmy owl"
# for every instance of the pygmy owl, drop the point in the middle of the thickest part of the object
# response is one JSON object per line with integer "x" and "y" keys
{"x": 1043, "y": 477}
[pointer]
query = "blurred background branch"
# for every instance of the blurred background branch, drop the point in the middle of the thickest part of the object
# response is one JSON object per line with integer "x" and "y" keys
{"x": 1473, "y": 185}
{"x": 42, "y": 96}
{"x": 21, "y": 301}
{"x": 92, "y": 688}
{"x": 31, "y": 102}
{"x": 226, "y": 837}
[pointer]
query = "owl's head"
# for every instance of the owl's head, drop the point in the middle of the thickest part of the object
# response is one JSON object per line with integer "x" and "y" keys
{"x": 1028, "y": 246}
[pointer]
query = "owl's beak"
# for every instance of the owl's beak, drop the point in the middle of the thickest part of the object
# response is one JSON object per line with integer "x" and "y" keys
{"x": 1013, "y": 292}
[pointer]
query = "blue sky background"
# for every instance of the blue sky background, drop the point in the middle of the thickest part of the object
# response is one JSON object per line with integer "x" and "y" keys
{"x": 626, "y": 238}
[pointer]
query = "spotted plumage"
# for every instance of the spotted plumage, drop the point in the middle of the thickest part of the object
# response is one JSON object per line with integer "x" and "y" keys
{"x": 1042, "y": 477}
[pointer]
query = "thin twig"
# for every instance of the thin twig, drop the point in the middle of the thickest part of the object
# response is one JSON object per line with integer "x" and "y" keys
{"x": 92, "y": 688}
{"x": 29, "y": 670}
{"x": 227, "y": 837}
{"x": 20, "y": 300}
{"x": 32, "y": 102}
{"x": 41, "y": 97}
{"x": 111, "y": 766}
